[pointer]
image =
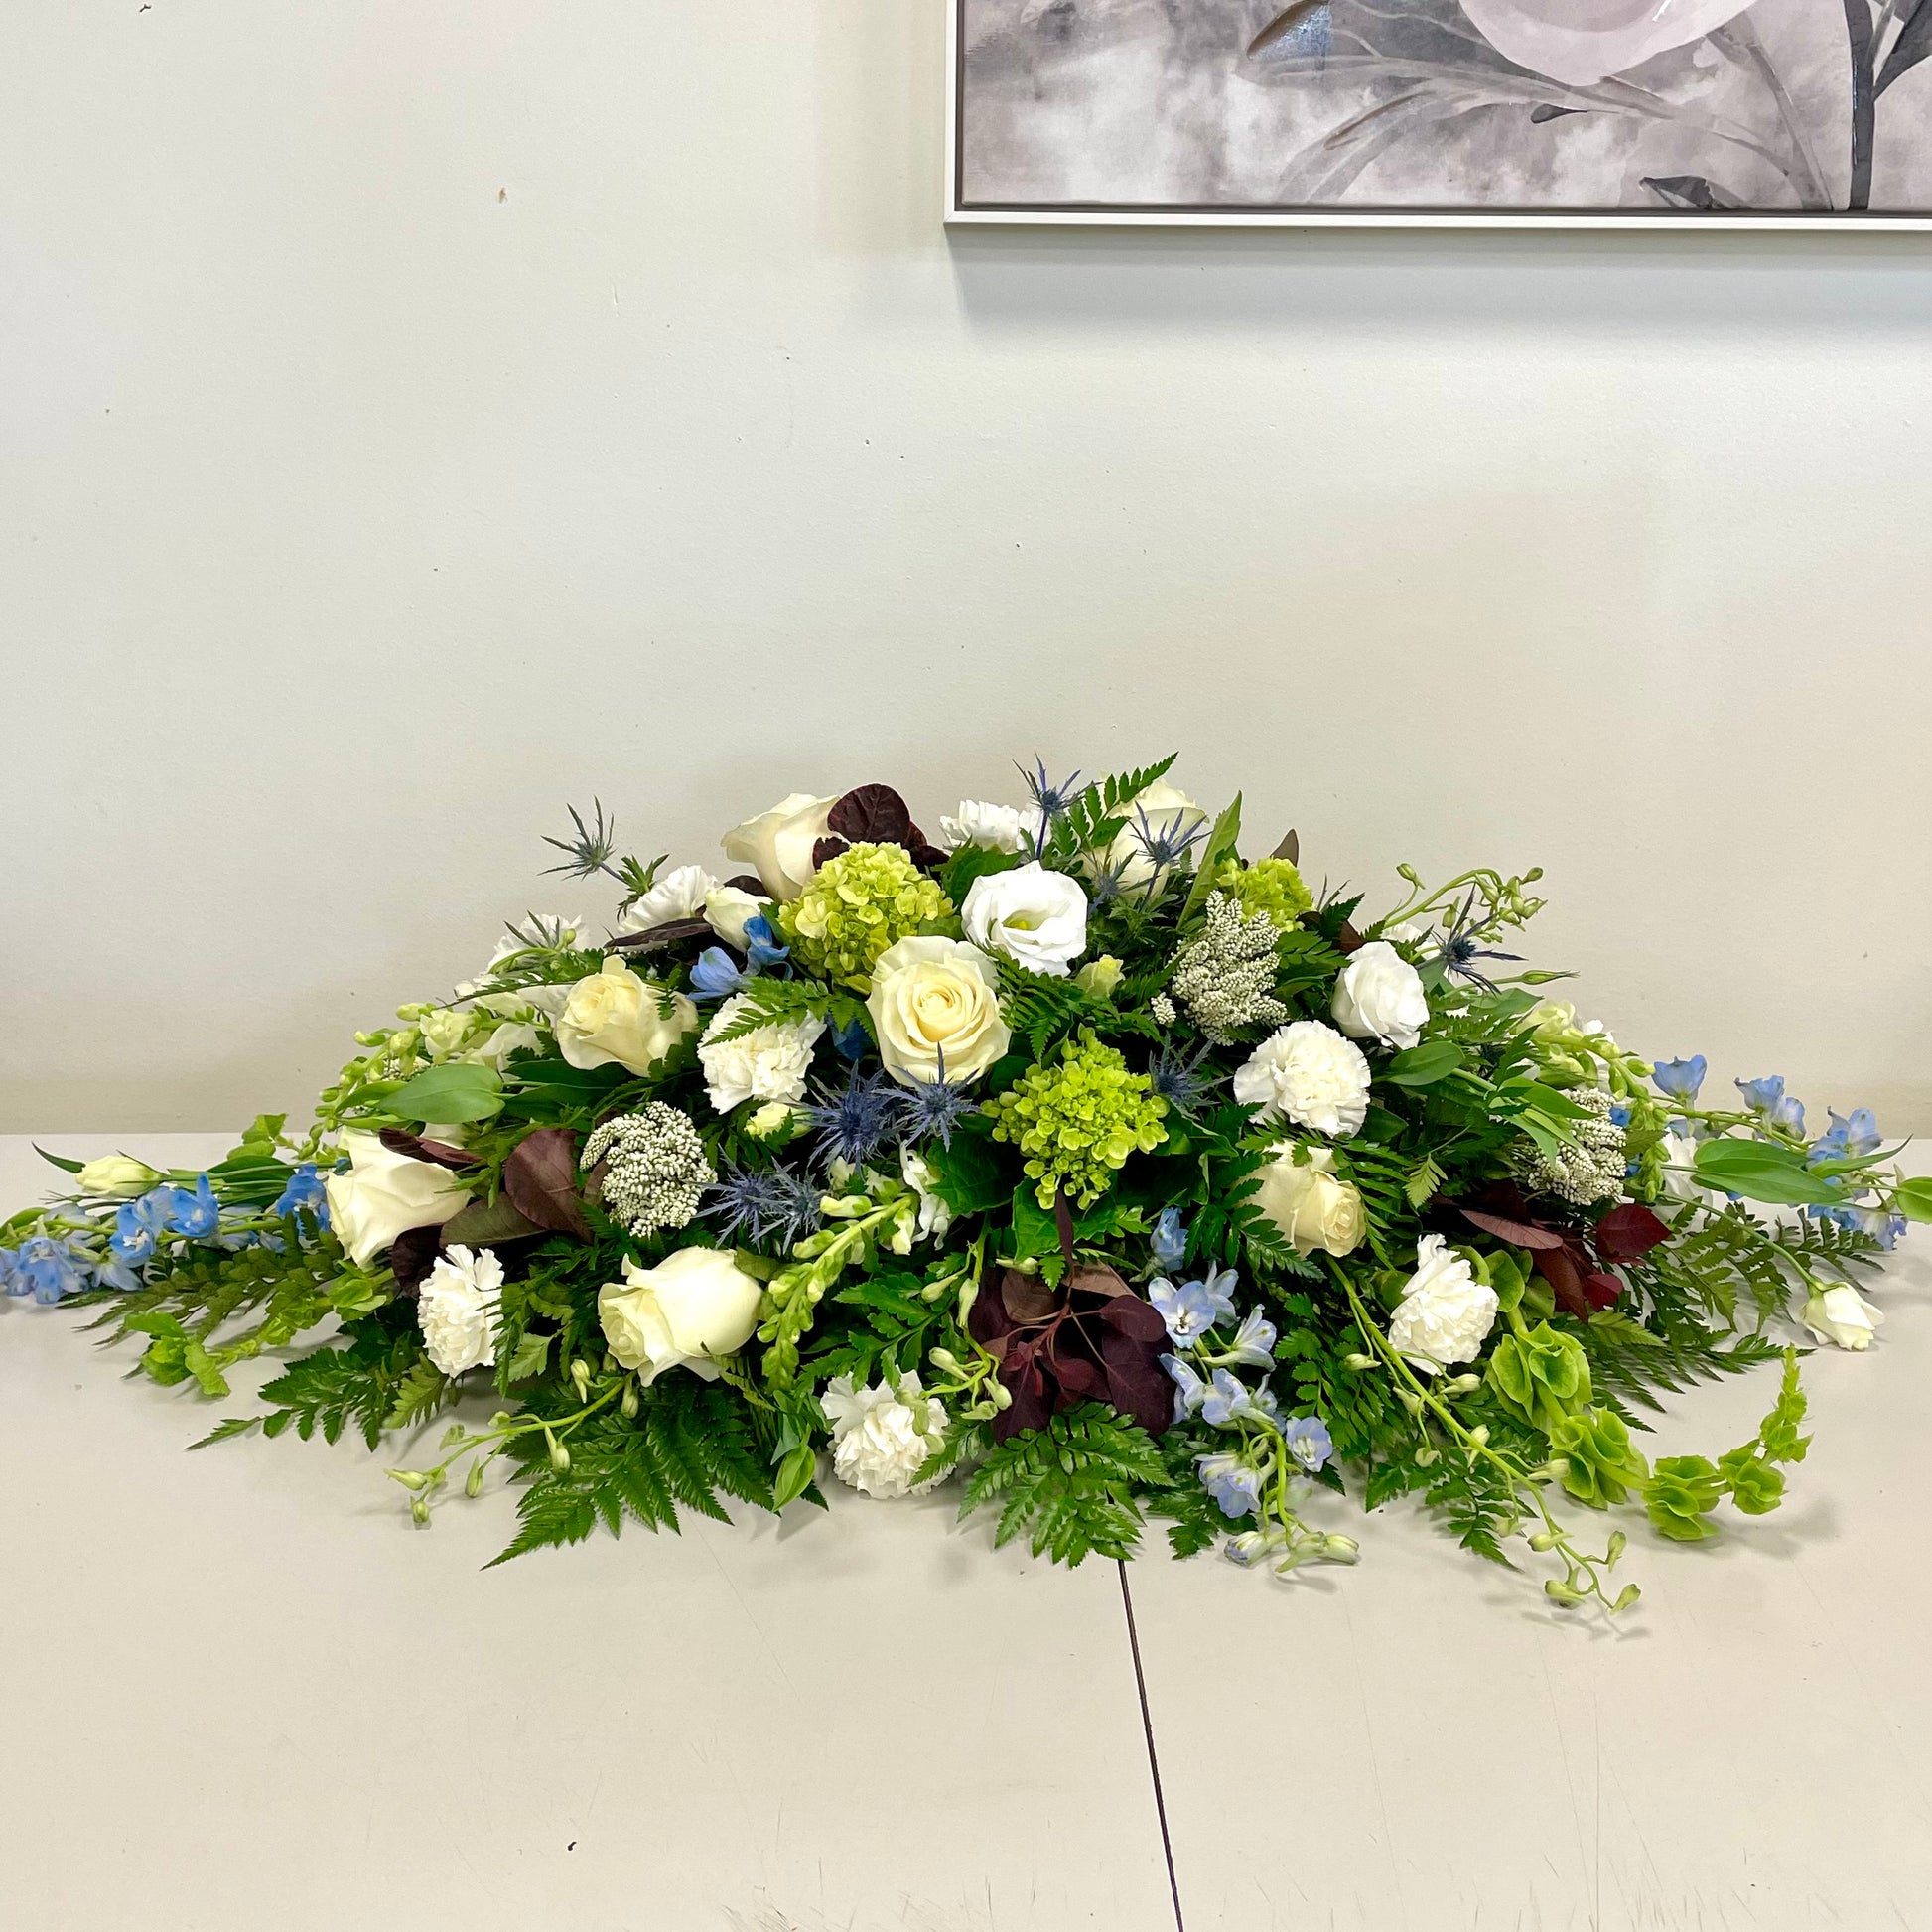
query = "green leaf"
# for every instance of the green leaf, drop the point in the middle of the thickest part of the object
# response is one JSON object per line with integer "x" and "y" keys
{"x": 1220, "y": 845}
{"x": 967, "y": 1176}
{"x": 423, "y": 1390}
{"x": 795, "y": 1476}
{"x": 1036, "y": 1230}
{"x": 1424, "y": 1065}
{"x": 531, "y": 1358}
{"x": 227, "y": 1430}
{"x": 60, "y": 1159}
{"x": 1914, "y": 1199}
{"x": 973, "y": 861}
{"x": 456, "y": 1092}
{"x": 1761, "y": 1172}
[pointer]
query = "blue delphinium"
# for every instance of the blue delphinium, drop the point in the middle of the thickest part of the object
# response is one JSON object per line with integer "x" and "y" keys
{"x": 1190, "y": 1391}
{"x": 1254, "y": 1342}
{"x": 1168, "y": 1242}
{"x": 305, "y": 1195}
{"x": 138, "y": 1224}
{"x": 45, "y": 1269}
{"x": 110, "y": 1271}
{"x": 197, "y": 1215}
{"x": 1191, "y": 1309}
{"x": 1769, "y": 1100}
{"x": 1228, "y": 1400}
{"x": 1308, "y": 1440}
{"x": 716, "y": 975}
{"x": 762, "y": 949}
{"x": 1848, "y": 1137}
{"x": 1234, "y": 1485}
{"x": 1681, "y": 1079}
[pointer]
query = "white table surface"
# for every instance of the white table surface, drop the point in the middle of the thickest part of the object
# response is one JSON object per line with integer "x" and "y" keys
{"x": 241, "y": 1691}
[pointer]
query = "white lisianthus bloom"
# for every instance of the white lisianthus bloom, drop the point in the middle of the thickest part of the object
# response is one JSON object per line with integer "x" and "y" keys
{"x": 1379, "y": 996}
{"x": 933, "y": 1002}
{"x": 1841, "y": 1316}
{"x": 613, "y": 1017}
{"x": 1309, "y": 1206}
{"x": 459, "y": 1308}
{"x": 679, "y": 895}
{"x": 693, "y": 1308}
{"x": 115, "y": 1176}
{"x": 881, "y": 1437}
{"x": 1168, "y": 812}
{"x": 1446, "y": 1313}
{"x": 936, "y": 1218}
{"x": 1032, "y": 915}
{"x": 730, "y": 908}
{"x": 778, "y": 845}
{"x": 384, "y": 1194}
{"x": 1308, "y": 1073}
{"x": 1583, "y": 42}
{"x": 996, "y": 828}
{"x": 512, "y": 1037}
{"x": 767, "y": 1064}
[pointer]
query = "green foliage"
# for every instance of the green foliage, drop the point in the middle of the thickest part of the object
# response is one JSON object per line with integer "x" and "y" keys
{"x": 1045, "y": 1011}
{"x": 361, "y": 1383}
{"x": 1072, "y": 1487}
{"x": 458, "y": 1091}
{"x": 897, "y": 1324}
{"x": 689, "y": 1443}
{"x": 1097, "y": 817}
{"x": 1601, "y": 1464}
{"x": 1630, "y": 1364}
{"x": 1763, "y": 1170}
{"x": 769, "y": 1001}
{"x": 1214, "y": 854}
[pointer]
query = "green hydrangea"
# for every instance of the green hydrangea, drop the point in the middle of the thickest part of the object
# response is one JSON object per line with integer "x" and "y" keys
{"x": 1077, "y": 1122}
{"x": 867, "y": 899}
{"x": 1271, "y": 885}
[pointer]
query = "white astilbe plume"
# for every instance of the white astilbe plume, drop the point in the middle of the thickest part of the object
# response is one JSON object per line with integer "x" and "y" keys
{"x": 1224, "y": 977}
{"x": 655, "y": 1168}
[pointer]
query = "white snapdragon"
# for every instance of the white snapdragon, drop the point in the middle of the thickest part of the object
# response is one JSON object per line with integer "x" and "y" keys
{"x": 1446, "y": 1313}
{"x": 1379, "y": 996}
{"x": 935, "y": 1216}
{"x": 882, "y": 1436}
{"x": 1308, "y": 1073}
{"x": 458, "y": 1309}
{"x": 1034, "y": 917}
{"x": 769, "y": 1063}
{"x": 996, "y": 828}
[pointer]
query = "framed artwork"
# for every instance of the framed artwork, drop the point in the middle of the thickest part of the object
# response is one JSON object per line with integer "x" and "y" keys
{"x": 1498, "y": 113}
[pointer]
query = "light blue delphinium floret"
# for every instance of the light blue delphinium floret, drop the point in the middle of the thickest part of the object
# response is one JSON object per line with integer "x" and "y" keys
{"x": 1681, "y": 1079}
{"x": 1190, "y": 1391}
{"x": 45, "y": 1269}
{"x": 1769, "y": 1100}
{"x": 1227, "y": 1401}
{"x": 1847, "y": 1138}
{"x": 1191, "y": 1308}
{"x": 714, "y": 976}
{"x": 1169, "y": 1241}
{"x": 1234, "y": 1485}
{"x": 761, "y": 947}
{"x": 1308, "y": 1440}
{"x": 305, "y": 1195}
{"x": 138, "y": 1224}
{"x": 196, "y": 1215}
{"x": 1254, "y": 1342}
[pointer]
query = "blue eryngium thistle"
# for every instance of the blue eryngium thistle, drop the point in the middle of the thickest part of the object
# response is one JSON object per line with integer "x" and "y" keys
{"x": 1176, "y": 1075}
{"x": 588, "y": 849}
{"x": 929, "y": 1108}
{"x": 1051, "y": 800}
{"x": 1462, "y": 948}
{"x": 857, "y": 1121}
{"x": 764, "y": 1206}
{"x": 1165, "y": 842}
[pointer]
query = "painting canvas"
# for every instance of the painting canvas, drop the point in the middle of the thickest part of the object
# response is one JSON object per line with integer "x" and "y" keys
{"x": 1778, "y": 112}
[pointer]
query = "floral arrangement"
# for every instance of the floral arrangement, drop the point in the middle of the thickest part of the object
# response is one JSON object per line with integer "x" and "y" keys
{"x": 1073, "y": 1155}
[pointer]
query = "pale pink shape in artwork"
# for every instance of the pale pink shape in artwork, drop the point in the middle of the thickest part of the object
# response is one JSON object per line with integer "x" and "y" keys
{"x": 1582, "y": 42}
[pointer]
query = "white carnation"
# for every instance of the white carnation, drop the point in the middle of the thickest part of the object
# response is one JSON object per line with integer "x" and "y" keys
{"x": 881, "y": 1437}
{"x": 459, "y": 1306}
{"x": 1379, "y": 996}
{"x": 999, "y": 828}
{"x": 1446, "y": 1313}
{"x": 679, "y": 895}
{"x": 767, "y": 1064}
{"x": 1308, "y": 1073}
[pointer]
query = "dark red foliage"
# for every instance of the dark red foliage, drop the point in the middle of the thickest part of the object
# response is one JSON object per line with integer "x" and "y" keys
{"x": 1629, "y": 1232}
{"x": 1091, "y": 1341}
{"x": 399, "y": 1141}
{"x": 412, "y": 1254}
{"x": 874, "y": 815}
{"x": 1563, "y": 1257}
{"x": 540, "y": 1178}
{"x": 673, "y": 932}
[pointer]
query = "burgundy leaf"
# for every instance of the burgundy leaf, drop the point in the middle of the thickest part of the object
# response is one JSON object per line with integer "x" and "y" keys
{"x": 412, "y": 1254}
{"x": 1094, "y": 1279}
{"x": 1602, "y": 1289}
{"x": 872, "y": 815}
{"x": 826, "y": 849}
{"x": 438, "y": 1152}
{"x": 1063, "y": 1224}
{"x": 540, "y": 1178}
{"x": 1519, "y": 1234}
{"x": 673, "y": 932}
{"x": 1079, "y": 1377}
{"x": 1290, "y": 849}
{"x": 750, "y": 882}
{"x": 1559, "y": 1268}
{"x": 927, "y": 857}
{"x": 1128, "y": 1315}
{"x": 1629, "y": 1232}
{"x": 1138, "y": 1385}
{"x": 485, "y": 1223}
{"x": 1347, "y": 940}
{"x": 1026, "y": 1299}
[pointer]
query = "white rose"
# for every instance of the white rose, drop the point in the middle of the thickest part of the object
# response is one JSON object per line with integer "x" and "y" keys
{"x": 1581, "y": 45}
{"x": 1446, "y": 1313}
{"x": 1309, "y": 1206}
{"x": 730, "y": 908}
{"x": 459, "y": 1306}
{"x": 1030, "y": 914}
{"x": 613, "y": 1017}
{"x": 936, "y": 1000}
{"x": 880, "y": 1439}
{"x": 778, "y": 845}
{"x": 1168, "y": 812}
{"x": 767, "y": 1064}
{"x": 384, "y": 1194}
{"x": 1841, "y": 1316}
{"x": 996, "y": 828}
{"x": 1379, "y": 996}
{"x": 936, "y": 1218}
{"x": 115, "y": 1176}
{"x": 679, "y": 895}
{"x": 691, "y": 1309}
{"x": 1308, "y": 1073}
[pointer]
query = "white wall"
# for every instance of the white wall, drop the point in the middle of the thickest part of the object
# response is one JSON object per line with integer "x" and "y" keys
{"x": 418, "y": 416}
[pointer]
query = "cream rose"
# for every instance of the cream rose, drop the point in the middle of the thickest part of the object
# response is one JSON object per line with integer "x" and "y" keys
{"x": 935, "y": 1000}
{"x": 384, "y": 1194}
{"x": 1035, "y": 916}
{"x": 1841, "y": 1316}
{"x": 1309, "y": 1206}
{"x": 693, "y": 1308}
{"x": 778, "y": 845}
{"x": 1379, "y": 996}
{"x": 1168, "y": 811}
{"x": 613, "y": 1017}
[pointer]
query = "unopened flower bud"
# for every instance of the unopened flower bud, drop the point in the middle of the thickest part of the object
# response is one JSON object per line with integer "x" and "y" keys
{"x": 1358, "y": 1363}
{"x": 1001, "y": 1396}
{"x": 419, "y": 1509}
{"x": 1428, "y": 1457}
{"x": 627, "y": 1402}
{"x": 1559, "y": 1592}
{"x": 1463, "y": 1385}
{"x": 1543, "y": 1541}
{"x": 1479, "y": 1435}
{"x": 409, "y": 1478}
{"x": 473, "y": 1486}
{"x": 1341, "y": 1548}
{"x": 943, "y": 1358}
{"x": 1411, "y": 1401}
{"x": 580, "y": 1374}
